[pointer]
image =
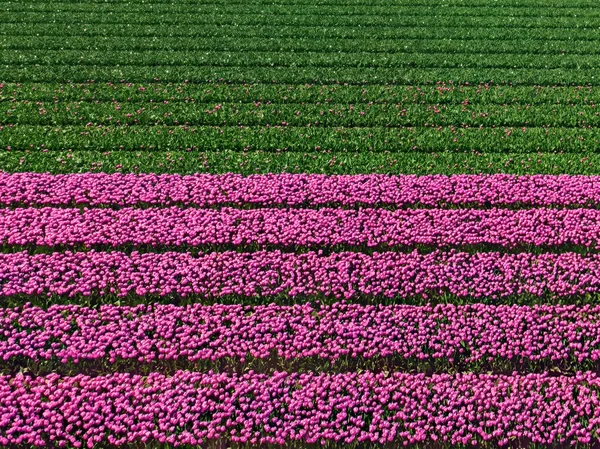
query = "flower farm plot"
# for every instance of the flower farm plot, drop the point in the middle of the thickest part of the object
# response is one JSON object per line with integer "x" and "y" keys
{"x": 296, "y": 223}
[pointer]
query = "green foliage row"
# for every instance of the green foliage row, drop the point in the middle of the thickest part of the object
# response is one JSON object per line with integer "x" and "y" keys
{"x": 256, "y": 59}
{"x": 278, "y": 8}
{"x": 299, "y": 18}
{"x": 257, "y": 113}
{"x": 327, "y": 162}
{"x": 297, "y": 75}
{"x": 583, "y": 141}
{"x": 479, "y": 46}
{"x": 524, "y": 4}
{"x": 269, "y": 30}
{"x": 439, "y": 93}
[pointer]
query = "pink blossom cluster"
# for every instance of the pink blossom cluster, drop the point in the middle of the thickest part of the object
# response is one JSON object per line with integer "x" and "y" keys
{"x": 289, "y": 189}
{"x": 197, "y": 332}
{"x": 175, "y": 226}
{"x": 269, "y": 273}
{"x": 192, "y": 408}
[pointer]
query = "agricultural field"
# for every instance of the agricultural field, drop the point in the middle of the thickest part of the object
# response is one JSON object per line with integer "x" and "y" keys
{"x": 321, "y": 86}
{"x": 299, "y": 223}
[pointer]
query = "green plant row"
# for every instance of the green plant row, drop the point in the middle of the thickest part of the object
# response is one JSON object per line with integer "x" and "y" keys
{"x": 255, "y": 59}
{"x": 522, "y": 4}
{"x": 328, "y": 162}
{"x": 583, "y": 141}
{"x": 298, "y": 75}
{"x": 257, "y": 113}
{"x": 406, "y": 10}
{"x": 240, "y": 17}
{"x": 269, "y": 30}
{"x": 439, "y": 93}
{"x": 463, "y": 47}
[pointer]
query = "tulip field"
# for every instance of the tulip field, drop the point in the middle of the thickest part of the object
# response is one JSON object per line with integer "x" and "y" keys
{"x": 299, "y": 223}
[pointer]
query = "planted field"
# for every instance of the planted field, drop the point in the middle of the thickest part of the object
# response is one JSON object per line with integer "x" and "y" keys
{"x": 294, "y": 309}
{"x": 298, "y": 223}
{"x": 256, "y": 128}
{"x": 374, "y": 408}
{"x": 303, "y": 87}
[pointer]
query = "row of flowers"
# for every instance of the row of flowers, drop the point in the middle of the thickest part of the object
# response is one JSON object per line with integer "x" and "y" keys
{"x": 305, "y": 189}
{"x": 196, "y": 332}
{"x": 190, "y": 408}
{"x": 174, "y": 226}
{"x": 274, "y": 273}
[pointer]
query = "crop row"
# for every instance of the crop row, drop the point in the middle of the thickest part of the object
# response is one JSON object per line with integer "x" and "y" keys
{"x": 326, "y": 45}
{"x": 299, "y": 19}
{"x": 298, "y": 190}
{"x": 296, "y": 74}
{"x": 259, "y": 113}
{"x": 113, "y": 30}
{"x": 521, "y": 4}
{"x": 52, "y": 95}
{"x": 452, "y": 334}
{"x": 192, "y": 408}
{"x": 266, "y": 275}
{"x": 309, "y": 139}
{"x": 333, "y": 163}
{"x": 278, "y": 8}
{"x": 304, "y": 228}
{"x": 266, "y": 59}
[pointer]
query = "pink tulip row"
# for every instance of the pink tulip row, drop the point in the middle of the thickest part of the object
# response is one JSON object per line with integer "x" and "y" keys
{"x": 288, "y": 189}
{"x": 196, "y": 332}
{"x": 192, "y": 408}
{"x": 268, "y": 273}
{"x": 299, "y": 227}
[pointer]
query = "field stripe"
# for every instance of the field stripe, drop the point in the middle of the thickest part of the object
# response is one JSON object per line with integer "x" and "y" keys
{"x": 331, "y": 96}
{"x": 299, "y": 228}
{"x": 291, "y": 407}
{"x": 491, "y": 34}
{"x": 478, "y": 337}
{"x": 283, "y": 138}
{"x": 297, "y": 190}
{"x": 321, "y": 75}
{"x": 273, "y": 275}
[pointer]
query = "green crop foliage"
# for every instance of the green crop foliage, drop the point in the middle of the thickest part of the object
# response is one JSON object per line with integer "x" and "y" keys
{"x": 327, "y": 162}
{"x": 324, "y": 86}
